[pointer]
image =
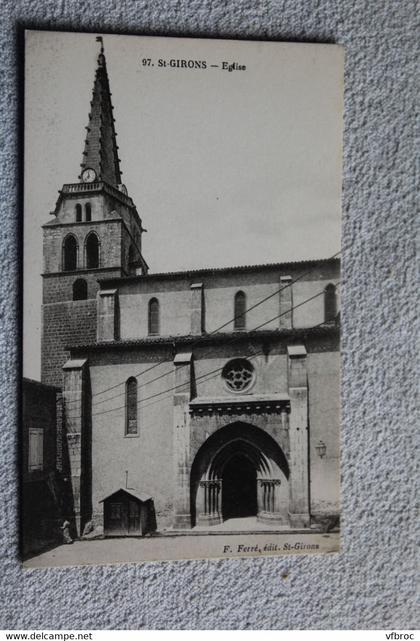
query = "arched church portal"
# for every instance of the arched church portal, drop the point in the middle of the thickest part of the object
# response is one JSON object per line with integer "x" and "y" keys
{"x": 239, "y": 472}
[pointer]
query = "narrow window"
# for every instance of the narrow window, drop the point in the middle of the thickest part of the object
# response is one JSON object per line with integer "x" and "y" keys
{"x": 330, "y": 303}
{"x": 69, "y": 254}
{"x": 88, "y": 212}
{"x": 131, "y": 406}
{"x": 240, "y": 309}
{"x": 92, "y": 251}
{"x": 80, "y": 289}
{"x": 131, "y": 261}
{"x": 36, "y": 449}
{"x": 153, "y": 316}
{"x": 78, "y": 213}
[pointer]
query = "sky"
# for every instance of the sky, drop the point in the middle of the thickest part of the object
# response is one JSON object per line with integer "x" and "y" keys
{"x": 225, "y": 168}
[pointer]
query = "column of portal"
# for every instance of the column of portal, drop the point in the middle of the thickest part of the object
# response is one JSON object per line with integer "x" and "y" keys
{"x": 211, "y": 512}
{"x": 181, "y": 440}
{"x": 298, "y": 435}
{"x": 269, "y": 500}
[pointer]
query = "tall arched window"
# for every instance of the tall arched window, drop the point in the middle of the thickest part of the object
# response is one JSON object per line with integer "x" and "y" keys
{"x": 78, "y": 213}
{"x": 239, "y": 311}
{"x": 88, "y": 212}
{"x": 80, "y": 289}
{"x": 92, "y": 251}
{"x": 330, "y": 303}
{"x": 131, "y": 406}
{"x": 69, "y": 253}
{"x": 153, "y": 317}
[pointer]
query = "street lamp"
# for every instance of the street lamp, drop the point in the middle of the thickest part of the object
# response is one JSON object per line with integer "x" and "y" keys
{"x": 321, "y": 448}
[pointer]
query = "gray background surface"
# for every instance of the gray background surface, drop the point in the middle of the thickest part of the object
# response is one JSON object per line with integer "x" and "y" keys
{"x": 371, "y": 582}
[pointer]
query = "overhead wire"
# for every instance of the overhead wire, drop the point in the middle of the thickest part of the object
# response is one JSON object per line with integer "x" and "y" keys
{"x": 208, "y": 334}
{"x": 218, "y": 369}
{"x": 212, "y": 375}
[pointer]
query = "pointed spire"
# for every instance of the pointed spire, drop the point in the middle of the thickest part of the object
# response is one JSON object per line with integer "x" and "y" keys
{"x": 101, "y": 150}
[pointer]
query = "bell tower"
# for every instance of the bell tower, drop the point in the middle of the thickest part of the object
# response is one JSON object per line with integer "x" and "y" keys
{"x": 95, "y": 232}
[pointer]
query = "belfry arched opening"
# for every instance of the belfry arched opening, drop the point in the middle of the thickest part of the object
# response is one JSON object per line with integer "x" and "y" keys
{"x": 239, "y": 472}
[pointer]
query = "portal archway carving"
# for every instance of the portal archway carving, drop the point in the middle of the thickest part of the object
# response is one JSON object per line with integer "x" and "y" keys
{"x": 251, "y": 453}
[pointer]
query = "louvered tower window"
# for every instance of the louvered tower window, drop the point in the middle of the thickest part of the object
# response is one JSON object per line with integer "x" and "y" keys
{"x": 92, "y": 251}
{"x": 69, "y": 253}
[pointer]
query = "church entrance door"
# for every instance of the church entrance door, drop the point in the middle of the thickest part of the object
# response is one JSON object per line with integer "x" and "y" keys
{"x": 239, "y": 488}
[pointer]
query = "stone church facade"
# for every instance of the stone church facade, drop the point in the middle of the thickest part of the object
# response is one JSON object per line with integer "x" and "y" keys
{"x": 210, "y": 394}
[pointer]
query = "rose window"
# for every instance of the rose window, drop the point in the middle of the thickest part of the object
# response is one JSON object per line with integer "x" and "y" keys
{"x": 238, "y": 375}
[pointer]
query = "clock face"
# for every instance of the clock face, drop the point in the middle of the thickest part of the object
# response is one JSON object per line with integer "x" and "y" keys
{"x": 89, "y": 175}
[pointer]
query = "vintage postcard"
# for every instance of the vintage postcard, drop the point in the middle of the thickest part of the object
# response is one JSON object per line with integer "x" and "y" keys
{"x": 181, "y": 342}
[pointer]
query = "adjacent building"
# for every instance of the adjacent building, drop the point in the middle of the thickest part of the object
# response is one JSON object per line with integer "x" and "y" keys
{"x": 43, "y": 485}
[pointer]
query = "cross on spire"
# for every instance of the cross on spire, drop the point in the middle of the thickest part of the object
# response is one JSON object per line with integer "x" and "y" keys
{"x": 101, "y": 149}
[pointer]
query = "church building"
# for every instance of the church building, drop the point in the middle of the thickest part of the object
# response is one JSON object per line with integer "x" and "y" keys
{"x": 190, "y": 398}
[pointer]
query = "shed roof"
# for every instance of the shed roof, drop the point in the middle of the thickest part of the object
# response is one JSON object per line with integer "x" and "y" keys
{"x": 140, "y": 496}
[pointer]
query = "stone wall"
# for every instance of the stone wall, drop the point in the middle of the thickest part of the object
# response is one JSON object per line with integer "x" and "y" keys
{"x": 108, "y": 232}
{"x": 149, "y": 456}
{"x": 219, "y": 288}
{"x": 58, "y": 287}
{"x": 64, "y": 323}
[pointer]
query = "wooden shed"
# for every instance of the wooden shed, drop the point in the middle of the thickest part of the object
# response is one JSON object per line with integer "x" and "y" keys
{"x": 128, "y": 513}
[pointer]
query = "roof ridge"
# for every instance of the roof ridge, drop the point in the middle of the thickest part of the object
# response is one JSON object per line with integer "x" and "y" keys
{"x": 227, "y": 268}
{"x": 185, "y": 339}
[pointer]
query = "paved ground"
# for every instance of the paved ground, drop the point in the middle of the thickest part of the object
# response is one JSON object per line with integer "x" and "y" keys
{"x": 249, "y": 523}
{"x": 193, "y": 545}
